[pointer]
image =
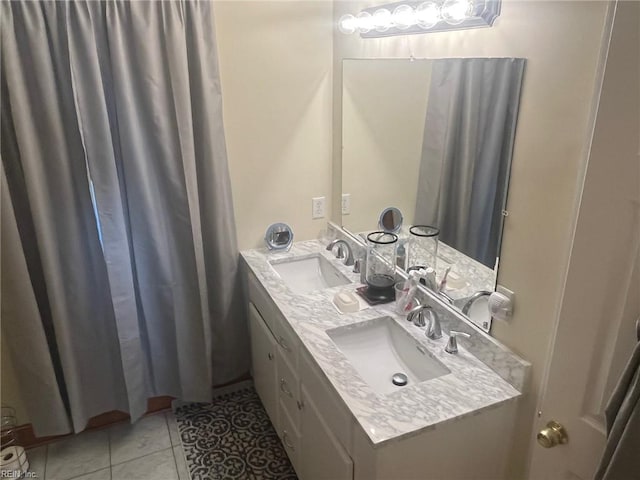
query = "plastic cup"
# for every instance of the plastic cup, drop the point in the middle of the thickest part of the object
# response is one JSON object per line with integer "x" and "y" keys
{"x": 402, "y": 289}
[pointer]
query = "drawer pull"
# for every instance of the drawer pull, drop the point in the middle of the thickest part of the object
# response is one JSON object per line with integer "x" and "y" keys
{"x": 283, "y": 344}
{"x": 300, "y": 404}
{"x": 285, "y": 440}
{"x": 283, "y": 387}
{"x": 270, "y": 356}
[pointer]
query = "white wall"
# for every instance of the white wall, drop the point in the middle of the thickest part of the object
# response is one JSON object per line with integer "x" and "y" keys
{"x": 561, "y": 42}
{"x": 276, "y": 73}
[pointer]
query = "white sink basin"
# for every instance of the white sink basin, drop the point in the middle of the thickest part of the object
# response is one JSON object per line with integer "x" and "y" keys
{"x": 380, "y": 348}
{"x": 307, "y": 274}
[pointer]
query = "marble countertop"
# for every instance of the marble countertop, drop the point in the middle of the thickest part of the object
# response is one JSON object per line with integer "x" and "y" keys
{"x": 470, "y": 387}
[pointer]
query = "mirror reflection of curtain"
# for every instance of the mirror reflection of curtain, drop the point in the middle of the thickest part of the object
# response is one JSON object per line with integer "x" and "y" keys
{"x": 143, "y": 299}
{"x": 467, "y": 146}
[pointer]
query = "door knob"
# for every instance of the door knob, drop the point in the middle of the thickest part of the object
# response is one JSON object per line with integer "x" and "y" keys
{"x": 553, "y": 434}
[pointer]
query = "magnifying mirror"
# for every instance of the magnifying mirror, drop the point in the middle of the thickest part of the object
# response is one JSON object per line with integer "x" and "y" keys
{"x": 390, "y": 220}
{"x": 279, "y": 236}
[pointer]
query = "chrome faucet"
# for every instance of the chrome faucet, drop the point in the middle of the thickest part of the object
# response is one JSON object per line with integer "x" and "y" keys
{"x": 452, "y": 344}
{"x": 447, "y": 297}
{"x": 473, "y": 298}
{"x": 416, "y": 315}
{"x": 342, "y": 248}
{"x": 434, "y": 330}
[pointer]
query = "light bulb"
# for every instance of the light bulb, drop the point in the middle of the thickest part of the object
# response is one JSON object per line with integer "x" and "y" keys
{"x": 428, "y": 14}
{"x": 454, "y": 12}
{"x": 347, "y": 24}
{"x": 403, "y": 17}
{"x": 364, "y": 22}
{"x": 382, "y": 20}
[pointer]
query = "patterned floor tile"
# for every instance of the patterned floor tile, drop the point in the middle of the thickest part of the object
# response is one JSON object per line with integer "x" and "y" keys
{"x": 232, "y": 437}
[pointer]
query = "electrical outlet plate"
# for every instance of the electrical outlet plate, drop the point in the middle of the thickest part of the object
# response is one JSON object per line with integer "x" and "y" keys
{"x": 346, "y": 203}
{"x": 317, "y": 207}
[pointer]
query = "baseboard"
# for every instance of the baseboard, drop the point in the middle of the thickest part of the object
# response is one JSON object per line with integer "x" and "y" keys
{"x": 232, "y": 388}
{"x": 238, "y": 384}
{"x": 26, "y": 437}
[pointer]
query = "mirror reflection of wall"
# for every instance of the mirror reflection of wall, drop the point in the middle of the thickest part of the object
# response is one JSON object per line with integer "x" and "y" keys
{"x": 384, "y": 105}
{"x": 433, "y": 138}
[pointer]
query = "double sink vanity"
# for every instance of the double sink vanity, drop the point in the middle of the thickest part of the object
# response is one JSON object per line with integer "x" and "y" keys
{"x": 368, "y": 395}
{"x": 327, "y": 379}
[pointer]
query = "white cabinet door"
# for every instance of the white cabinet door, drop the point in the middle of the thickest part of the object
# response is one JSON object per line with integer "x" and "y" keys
{"x": 263, "y": 361}
{"x": 323, "y": 457}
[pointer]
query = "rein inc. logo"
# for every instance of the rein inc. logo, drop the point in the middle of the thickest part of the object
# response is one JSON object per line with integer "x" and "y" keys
{"x": 17, "y": 474}
{"x": 14, "y": 464}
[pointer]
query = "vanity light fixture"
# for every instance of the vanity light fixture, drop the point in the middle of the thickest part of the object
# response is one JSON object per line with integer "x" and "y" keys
{"x": 405, "y": 18}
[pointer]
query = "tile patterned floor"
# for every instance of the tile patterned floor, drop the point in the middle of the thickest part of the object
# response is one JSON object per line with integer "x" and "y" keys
{"x": 150, "y": 449}
{"x": 232, "y": 438}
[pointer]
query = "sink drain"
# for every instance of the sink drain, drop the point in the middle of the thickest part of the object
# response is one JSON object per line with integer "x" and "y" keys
{"x": 399, "y": 379}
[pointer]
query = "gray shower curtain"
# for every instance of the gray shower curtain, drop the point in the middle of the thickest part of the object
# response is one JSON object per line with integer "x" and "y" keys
{"x": 122, "y": 100}
{"x": 466, "y": 153}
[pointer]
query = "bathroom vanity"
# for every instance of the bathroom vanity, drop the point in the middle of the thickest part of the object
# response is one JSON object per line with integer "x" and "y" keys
{"x": 335, "y": 418}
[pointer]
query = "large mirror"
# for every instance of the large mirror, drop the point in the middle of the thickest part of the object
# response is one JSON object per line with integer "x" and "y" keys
{"x": 433, "y": 138}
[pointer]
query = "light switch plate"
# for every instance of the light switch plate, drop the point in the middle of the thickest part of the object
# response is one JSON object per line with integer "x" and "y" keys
{"x": 346, "y": 203}
{"x": 317, "y": 207}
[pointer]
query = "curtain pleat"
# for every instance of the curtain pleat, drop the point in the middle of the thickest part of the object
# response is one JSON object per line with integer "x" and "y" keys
{"x": 26, "y": 338}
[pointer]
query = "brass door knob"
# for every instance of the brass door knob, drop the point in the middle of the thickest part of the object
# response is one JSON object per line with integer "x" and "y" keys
{"x": 552, "y": 435}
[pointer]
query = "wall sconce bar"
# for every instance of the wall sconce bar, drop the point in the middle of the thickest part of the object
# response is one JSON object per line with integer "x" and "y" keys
{"x": 413, "y": 17}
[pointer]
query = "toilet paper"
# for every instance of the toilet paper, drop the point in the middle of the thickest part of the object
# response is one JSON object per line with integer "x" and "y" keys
{"x": 13, "y": 462}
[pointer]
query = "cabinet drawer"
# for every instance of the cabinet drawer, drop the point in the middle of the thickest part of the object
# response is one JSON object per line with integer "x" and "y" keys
{"x": 287, "y": 344}
{"x": 280, "y": 328}
{"x": 261, "y": 299}
{"x": 289, "y": 386}
{"x": 290, "y": 437}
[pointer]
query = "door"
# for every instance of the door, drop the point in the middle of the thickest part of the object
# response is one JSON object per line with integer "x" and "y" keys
{"x": 596, "y": 331}
{"x": 323, "y": 456}
{"x": 263, "y": 363}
